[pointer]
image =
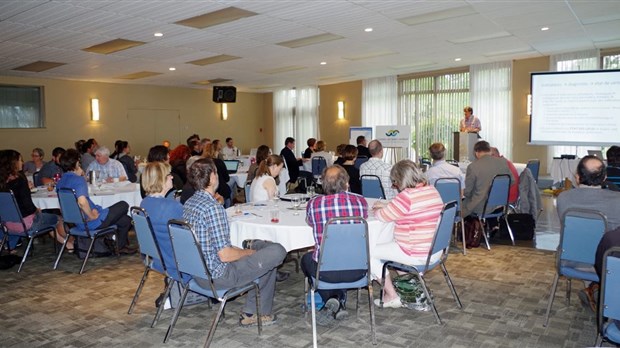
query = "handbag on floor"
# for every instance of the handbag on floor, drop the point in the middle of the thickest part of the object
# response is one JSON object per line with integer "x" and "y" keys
{"x": 100, "y": 248}
{"x": 473, "y": 232}
{"x": 411, "y": 293}
{"x": 522, "y": 226}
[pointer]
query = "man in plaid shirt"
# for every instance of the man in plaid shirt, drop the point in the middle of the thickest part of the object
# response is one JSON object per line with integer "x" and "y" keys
{"x": 229, "y": 265}
{"x": 336, "y": 202}
{"x": 376, "y": 166}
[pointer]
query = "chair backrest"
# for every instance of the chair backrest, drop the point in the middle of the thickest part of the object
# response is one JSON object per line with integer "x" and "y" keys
{"x": 146, "y": 235}
{"x": 359, "y": 161}
{"x": 187, "y": 252}
{"x": 445, "y": 225}
{"x": 344, "y": 245}
{"x": 318, "y": 164}
{"x": 453, "y": 162}
{"x": 371, "y": 187}
{"x": 172, "y": 194}
{"x": 609, "y": 306}
{"x": 580, "y": 234}
{"x": 498, "y": 193}
{"x": 534, "y": 166}
{"x": 35, "y": 179}
{"x": 247, "y": 191}
{"x": 9, "y": 210}
{"x": 71, "y": 212}
{"x": 449, "y": 190}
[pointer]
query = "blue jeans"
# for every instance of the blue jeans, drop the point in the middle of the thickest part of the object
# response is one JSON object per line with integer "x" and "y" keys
{"x": 41, "y": 220}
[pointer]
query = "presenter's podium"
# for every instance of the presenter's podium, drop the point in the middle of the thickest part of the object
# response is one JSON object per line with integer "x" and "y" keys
{"x": 464, "y": 146}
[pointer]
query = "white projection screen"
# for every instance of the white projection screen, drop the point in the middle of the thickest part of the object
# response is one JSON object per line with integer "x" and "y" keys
{"x": 575, "y": 108}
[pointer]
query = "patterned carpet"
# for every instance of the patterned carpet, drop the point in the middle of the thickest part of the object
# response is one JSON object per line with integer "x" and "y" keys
{"x": 503, "y": 291}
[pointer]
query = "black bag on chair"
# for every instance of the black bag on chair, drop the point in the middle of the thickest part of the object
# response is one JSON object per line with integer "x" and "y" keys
{"x": 522, "y": 226}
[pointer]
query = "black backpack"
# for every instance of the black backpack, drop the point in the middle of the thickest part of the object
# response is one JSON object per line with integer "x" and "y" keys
{"x": 101, "y": 248}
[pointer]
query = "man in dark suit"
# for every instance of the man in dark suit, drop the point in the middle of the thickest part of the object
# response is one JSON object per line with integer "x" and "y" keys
{"x": 293, "y": 163}
{"x": 479, "y": 177}
{"x": 362, "y": 150}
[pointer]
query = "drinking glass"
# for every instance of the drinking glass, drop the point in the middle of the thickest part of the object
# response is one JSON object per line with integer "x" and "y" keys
{"x": 296, "y": 204}
{"x": 275, "y": 216}
{"x": 310, "y": 191}
{"x": 276, "y": 199}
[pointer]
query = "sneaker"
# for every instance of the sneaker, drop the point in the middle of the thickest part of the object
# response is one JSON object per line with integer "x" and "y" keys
{"x": 393, "y": 303}
{"x": 589, "y": 296}
{"x": 246, "y": 319}
{"x": 282, "y": 276}
{"x": 247, "y": 244}
{"x": 332, "y": 305}
{"x": 324, "y": 317}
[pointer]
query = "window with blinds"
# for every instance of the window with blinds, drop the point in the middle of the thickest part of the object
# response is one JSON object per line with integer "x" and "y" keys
{"x": 433, "y": 106}
{"x": 21, "y": 107}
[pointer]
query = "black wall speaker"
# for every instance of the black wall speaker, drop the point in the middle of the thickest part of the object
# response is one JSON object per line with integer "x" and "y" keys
{"x": 224, "y": 94}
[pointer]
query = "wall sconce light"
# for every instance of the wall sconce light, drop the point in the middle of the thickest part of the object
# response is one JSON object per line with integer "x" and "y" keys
{"x": 340, "y": 109}
{"x": 94, "y": 109}
{"x": 224, "y": 111}
{"x": 529, "y": 105}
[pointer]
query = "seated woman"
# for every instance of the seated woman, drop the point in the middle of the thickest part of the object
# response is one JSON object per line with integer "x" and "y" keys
{"x": 96, "y": 216}
{"x": 178, "y": 158}
{"x": 321, "y": 150}
{"x": 213, "y": 151}
{"x": 340, "y": 153}
{"x": 121, "y": 154}
{"x": 261, "y": 153}
{"x": 157, "y": 181}
{"x": 415, "y": 210}
{"x": 12, "y": 178}
{"x": 264, "y": 185}
{"x": 349, "y": 154}
{"x": 37, "y": 162}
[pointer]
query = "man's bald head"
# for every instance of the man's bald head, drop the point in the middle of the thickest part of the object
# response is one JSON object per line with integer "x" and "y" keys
{"x": 591, "y": 171}
{"x": 335, "y": 179}
{"x": 375, "y": 148}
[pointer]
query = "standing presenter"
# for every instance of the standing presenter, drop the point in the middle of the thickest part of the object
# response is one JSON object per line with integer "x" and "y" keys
{"x": 470, "y": 123}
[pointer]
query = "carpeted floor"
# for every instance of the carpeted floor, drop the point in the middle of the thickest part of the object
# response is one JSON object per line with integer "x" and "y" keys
{"x": 503, "y": 291}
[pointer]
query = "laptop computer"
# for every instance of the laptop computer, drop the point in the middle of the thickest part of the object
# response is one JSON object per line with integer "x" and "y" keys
{"x": 231, "y": 166}
{"x": 597, "y": 153}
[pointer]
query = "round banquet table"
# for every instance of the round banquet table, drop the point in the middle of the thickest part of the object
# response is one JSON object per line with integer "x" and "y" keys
{"x": 105, "y": 197}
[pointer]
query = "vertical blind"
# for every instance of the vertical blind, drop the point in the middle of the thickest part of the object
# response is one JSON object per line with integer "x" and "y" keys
{"x": 21, "y": 107}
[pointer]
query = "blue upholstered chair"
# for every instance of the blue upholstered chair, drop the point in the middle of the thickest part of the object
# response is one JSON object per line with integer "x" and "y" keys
{"x": 247, "y": 191}
{"x": 534, "y": 166}
{"x": 9, "y": 212}
{"x": 318, "y": 164}
{"x": 441, "y": 243}
{"x": 190, "y": 261}
{"x": 581, "y": 232}
{"x": 344, "y": 247}
{"x": 496, "y": 205}
{"x": 371, "y": 187}
{"x": 608, "y": 320}
{"x": 73, "y": 215}
{"x": 450, "y": 190}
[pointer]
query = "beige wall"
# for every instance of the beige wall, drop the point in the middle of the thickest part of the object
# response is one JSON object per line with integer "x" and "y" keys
{"x": 333, "y": 130}
{"x": 68, "y": 115}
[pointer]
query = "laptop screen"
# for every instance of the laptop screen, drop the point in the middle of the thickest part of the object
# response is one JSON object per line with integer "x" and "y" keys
{"x": 231, "y": 165}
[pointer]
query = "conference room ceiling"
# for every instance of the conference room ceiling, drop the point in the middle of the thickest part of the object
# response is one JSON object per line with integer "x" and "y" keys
{"x": 263, "y": 45}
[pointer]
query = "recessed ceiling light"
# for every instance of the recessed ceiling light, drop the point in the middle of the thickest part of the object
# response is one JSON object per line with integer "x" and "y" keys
{"x": 368, "y": 30}
{"x": 544, "y": 28}
{"x": 457, "y": 59}
{"x": 172, "y": 68}
{"x": 158, "y": 34}
{"x": 323, "y": 63}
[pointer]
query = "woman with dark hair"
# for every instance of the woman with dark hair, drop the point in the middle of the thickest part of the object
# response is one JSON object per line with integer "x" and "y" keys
{"x": 121, "y": 153}
{"x": 340, "y": 153}
{"x": 262, "y": 152}
{"x": 12, "y": 178}
{"x": 212, "y": 151}
{"x": 349, "y": 154}
{"x": 96, "y": 216}
{"x": 415, "y": 211}
{"x": 178, "y": 158}
{"x": 264, "y": 185}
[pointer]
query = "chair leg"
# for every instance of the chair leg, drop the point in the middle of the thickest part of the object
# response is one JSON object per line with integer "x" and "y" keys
{"x": 160, "y": 309}
{"x": 599, "y": 340}
{"x": 568, "y": 287}
{"x": 90, "y": 247}
{"x": 62, "y": 248}
{"x": 430, "y": 299}
{"x": 551, "y": 297}
{"x": 383, "y": 272}
{"x": 5, "y": 238}
{"x": 512, "y": 237}
{"x": 463, "y": 234}
{"x": 215, "y": 322}
{"x": 484, "y": 232}
{"x": 313, "y": 309}
{"x": 371, "y": 304}
{"x": 451, "y": 285}
{"x": 357, "y": 304}
{"x": 258, "y": 313}
{"x": 139, "y": 289}
{"x": 30, "y": 239}
{"x": 177, "y": 311}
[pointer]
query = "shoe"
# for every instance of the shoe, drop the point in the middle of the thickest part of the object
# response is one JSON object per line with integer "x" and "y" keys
{"x": 589, "y": 296}
{"x": 247, "y": 244}
{"x": 282, "y": 276}
{"x": 246, "y": 320}
{"x": 127, "y": 251}
{"x": 325, "y": 317}
{"x": 159, "y": 300}
{"x": 393, "y": 303}
{"x": 332, "y": 305}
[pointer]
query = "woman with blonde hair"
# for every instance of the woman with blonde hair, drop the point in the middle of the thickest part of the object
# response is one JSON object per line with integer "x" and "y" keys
{"x": 415, "y": 211}
{"x": 321, "y": 150}
{"x": 264, "y": 185}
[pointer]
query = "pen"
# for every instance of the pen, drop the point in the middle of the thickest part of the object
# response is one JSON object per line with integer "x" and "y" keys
{"x": 256, "y": 214}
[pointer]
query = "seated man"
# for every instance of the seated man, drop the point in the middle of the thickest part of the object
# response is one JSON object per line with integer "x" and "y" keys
{"x": 336, "y": 202}
{"x": 613, "y": 168}
{"x": 88, "y": 153}
{"x": 230, "y": 151}
{"x": 109, "y": 168}
{"x": 230, "y": 266}
{"x": 362, "y": 150}
{"x": 441, "y": 168}
{"x": 293, "y": 163}
{"x": 376, "y": 166}
{"x": 311, "y": 148}
{"x": 479, "y": 177}
{"x": 51, "y": 168}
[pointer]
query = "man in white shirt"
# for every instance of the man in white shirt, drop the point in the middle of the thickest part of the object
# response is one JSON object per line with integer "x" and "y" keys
{"x": 441, "y": 168}
{"x": 376, "y": 166}
{"x": 230, "y": 151}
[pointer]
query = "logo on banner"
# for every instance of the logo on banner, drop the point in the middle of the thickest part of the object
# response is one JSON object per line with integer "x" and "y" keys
{"x": 392, "y": 133}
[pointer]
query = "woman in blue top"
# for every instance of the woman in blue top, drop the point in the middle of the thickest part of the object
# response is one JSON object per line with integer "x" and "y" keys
{"x": 96, "y": 216}
{"x": 157, "y": 181}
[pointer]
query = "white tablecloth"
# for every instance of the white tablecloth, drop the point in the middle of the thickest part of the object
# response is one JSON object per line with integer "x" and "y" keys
{"x": 292, "y": 232}
{"x": 240, "y": 177}
{"x": 563, "y": 168}
{"x": 107, "y": 196}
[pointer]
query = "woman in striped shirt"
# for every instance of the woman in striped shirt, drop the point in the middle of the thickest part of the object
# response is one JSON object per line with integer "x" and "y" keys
{"x": 415, "y": 211}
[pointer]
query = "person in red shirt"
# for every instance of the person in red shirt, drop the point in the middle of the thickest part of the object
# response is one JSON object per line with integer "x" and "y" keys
{"x": 513, "y": 194}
